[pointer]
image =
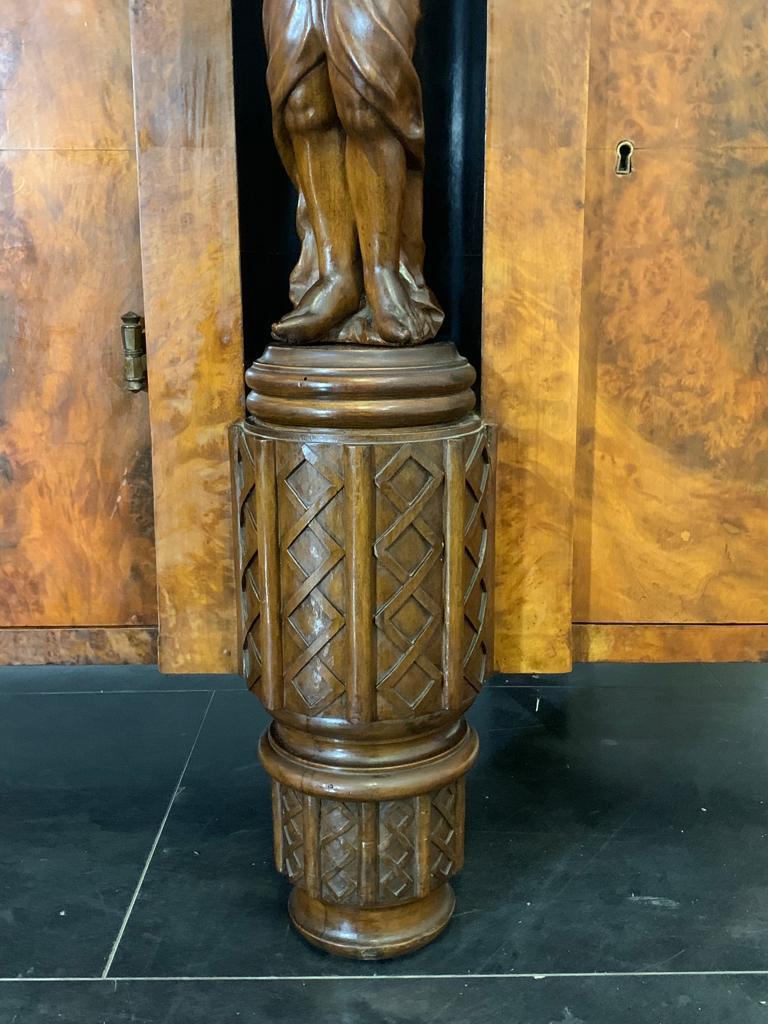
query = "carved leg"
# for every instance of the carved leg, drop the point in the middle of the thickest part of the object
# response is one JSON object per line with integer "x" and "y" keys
{"x": 365, "y": 559}
{"x": 376, "y": 173}
{"x": 319, "y": 150}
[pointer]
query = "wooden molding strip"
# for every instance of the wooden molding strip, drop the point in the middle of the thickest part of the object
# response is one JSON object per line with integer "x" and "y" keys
{"x": 538, "y": 75}
{"x": 97, "y": 645}
{"x": 659, "y": 643}
{"x": 182, "y": 62}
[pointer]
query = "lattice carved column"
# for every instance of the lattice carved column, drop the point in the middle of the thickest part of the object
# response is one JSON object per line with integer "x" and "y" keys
{"x": 364, "y": 486}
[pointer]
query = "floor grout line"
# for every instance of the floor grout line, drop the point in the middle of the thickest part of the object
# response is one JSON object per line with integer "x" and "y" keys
{"x": 143, "y": 875}
{"x": 544, "y": 976}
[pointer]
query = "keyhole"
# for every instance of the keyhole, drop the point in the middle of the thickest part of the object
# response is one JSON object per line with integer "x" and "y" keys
{"x": 624, "y": 153}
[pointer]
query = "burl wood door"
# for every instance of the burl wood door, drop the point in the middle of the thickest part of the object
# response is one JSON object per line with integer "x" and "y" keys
{"x": 625, "y": 346}
{"x": 76, "y": 532}
{"x": 672, "y": 468}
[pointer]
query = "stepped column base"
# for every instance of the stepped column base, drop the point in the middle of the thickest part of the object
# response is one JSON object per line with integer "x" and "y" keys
{"x": 364, "y": 488}
{"x": 372, "y": 933}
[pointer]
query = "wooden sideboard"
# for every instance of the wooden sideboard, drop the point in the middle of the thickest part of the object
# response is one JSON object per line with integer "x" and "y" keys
{"x": 625, "y": 353}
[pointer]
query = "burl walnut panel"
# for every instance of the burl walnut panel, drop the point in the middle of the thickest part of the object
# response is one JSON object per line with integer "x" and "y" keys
{"x": 107, "y": 645}
{"x": 672, "y": 522}
{"x": 620, "y": 642}
{"x": 534, "y": 221}
{"x": 76, "y": 538}
{"x": 182, "y": 56}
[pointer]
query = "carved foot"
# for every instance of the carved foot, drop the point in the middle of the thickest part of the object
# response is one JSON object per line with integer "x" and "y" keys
{"x": 328, "y": 302}
{"x": 396, "y": 318}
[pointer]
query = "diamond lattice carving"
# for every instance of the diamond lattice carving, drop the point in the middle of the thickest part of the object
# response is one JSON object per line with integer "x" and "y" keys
{"x": 339, "y": 851}
{"x": 409, "y": 548}
{"x": 397, "y": 856}
{"x": 476, "y": 541}
{"x": 291, "y": 823}
{"x": 443, "y": 835}
{"x": 311, "y": 618}
{"x": 250, "y": 602}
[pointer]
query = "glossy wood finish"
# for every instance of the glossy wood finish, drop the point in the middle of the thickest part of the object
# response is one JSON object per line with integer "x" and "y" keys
{"x": 376, "y": 938}
{"x": 672, "y": 524}
{"x": 365, "y": 557}
{"x": 535, "y": 184}
{"x": 183, "y": 81}
{"x": 75, "y": 475}
{"x": 364, "y": 504}
{"x": 451, "y": 63}
{"x": 349, "y": 126}
{"x": 662, "y": 644}
{"x": 115, "y": 645}
{"x": 421, "y": 387}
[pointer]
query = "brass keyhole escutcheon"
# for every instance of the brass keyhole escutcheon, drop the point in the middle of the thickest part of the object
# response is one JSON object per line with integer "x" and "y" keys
{"x": 625, "y": 151}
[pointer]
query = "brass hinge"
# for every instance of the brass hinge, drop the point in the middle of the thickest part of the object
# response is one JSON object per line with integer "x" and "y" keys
{"x": 134, "y": 352}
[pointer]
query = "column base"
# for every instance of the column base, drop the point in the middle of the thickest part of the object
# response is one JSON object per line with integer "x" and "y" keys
{"x": 372, "y": 933}
{"x": 363, "y": 524}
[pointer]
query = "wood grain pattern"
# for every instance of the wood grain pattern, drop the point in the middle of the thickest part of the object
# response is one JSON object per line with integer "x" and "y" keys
{"x": 670, "y": 74}
{"x": 66, "y": 76}
{"x": 76, "y": 544}
{"x": 364, "y": 563}
{"x": 349, "y": 126}
{"x": 660, "y": 644}
{"x": 672, "y": 524}
{"x": 116, "y": 645}
{"x": 188, "y": 196}
{"x": 535, "y": 167}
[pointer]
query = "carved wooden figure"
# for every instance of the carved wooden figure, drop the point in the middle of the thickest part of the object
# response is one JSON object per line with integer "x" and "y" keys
{"x": 347, "y": 116}
{"x": 364, "y": 504}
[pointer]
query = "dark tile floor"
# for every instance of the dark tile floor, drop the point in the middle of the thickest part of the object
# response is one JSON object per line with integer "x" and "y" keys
{"x": 617, "y": 859}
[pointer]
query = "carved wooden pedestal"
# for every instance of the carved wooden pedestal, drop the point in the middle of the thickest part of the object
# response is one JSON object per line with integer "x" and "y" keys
{"x": 364, "y": 521}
